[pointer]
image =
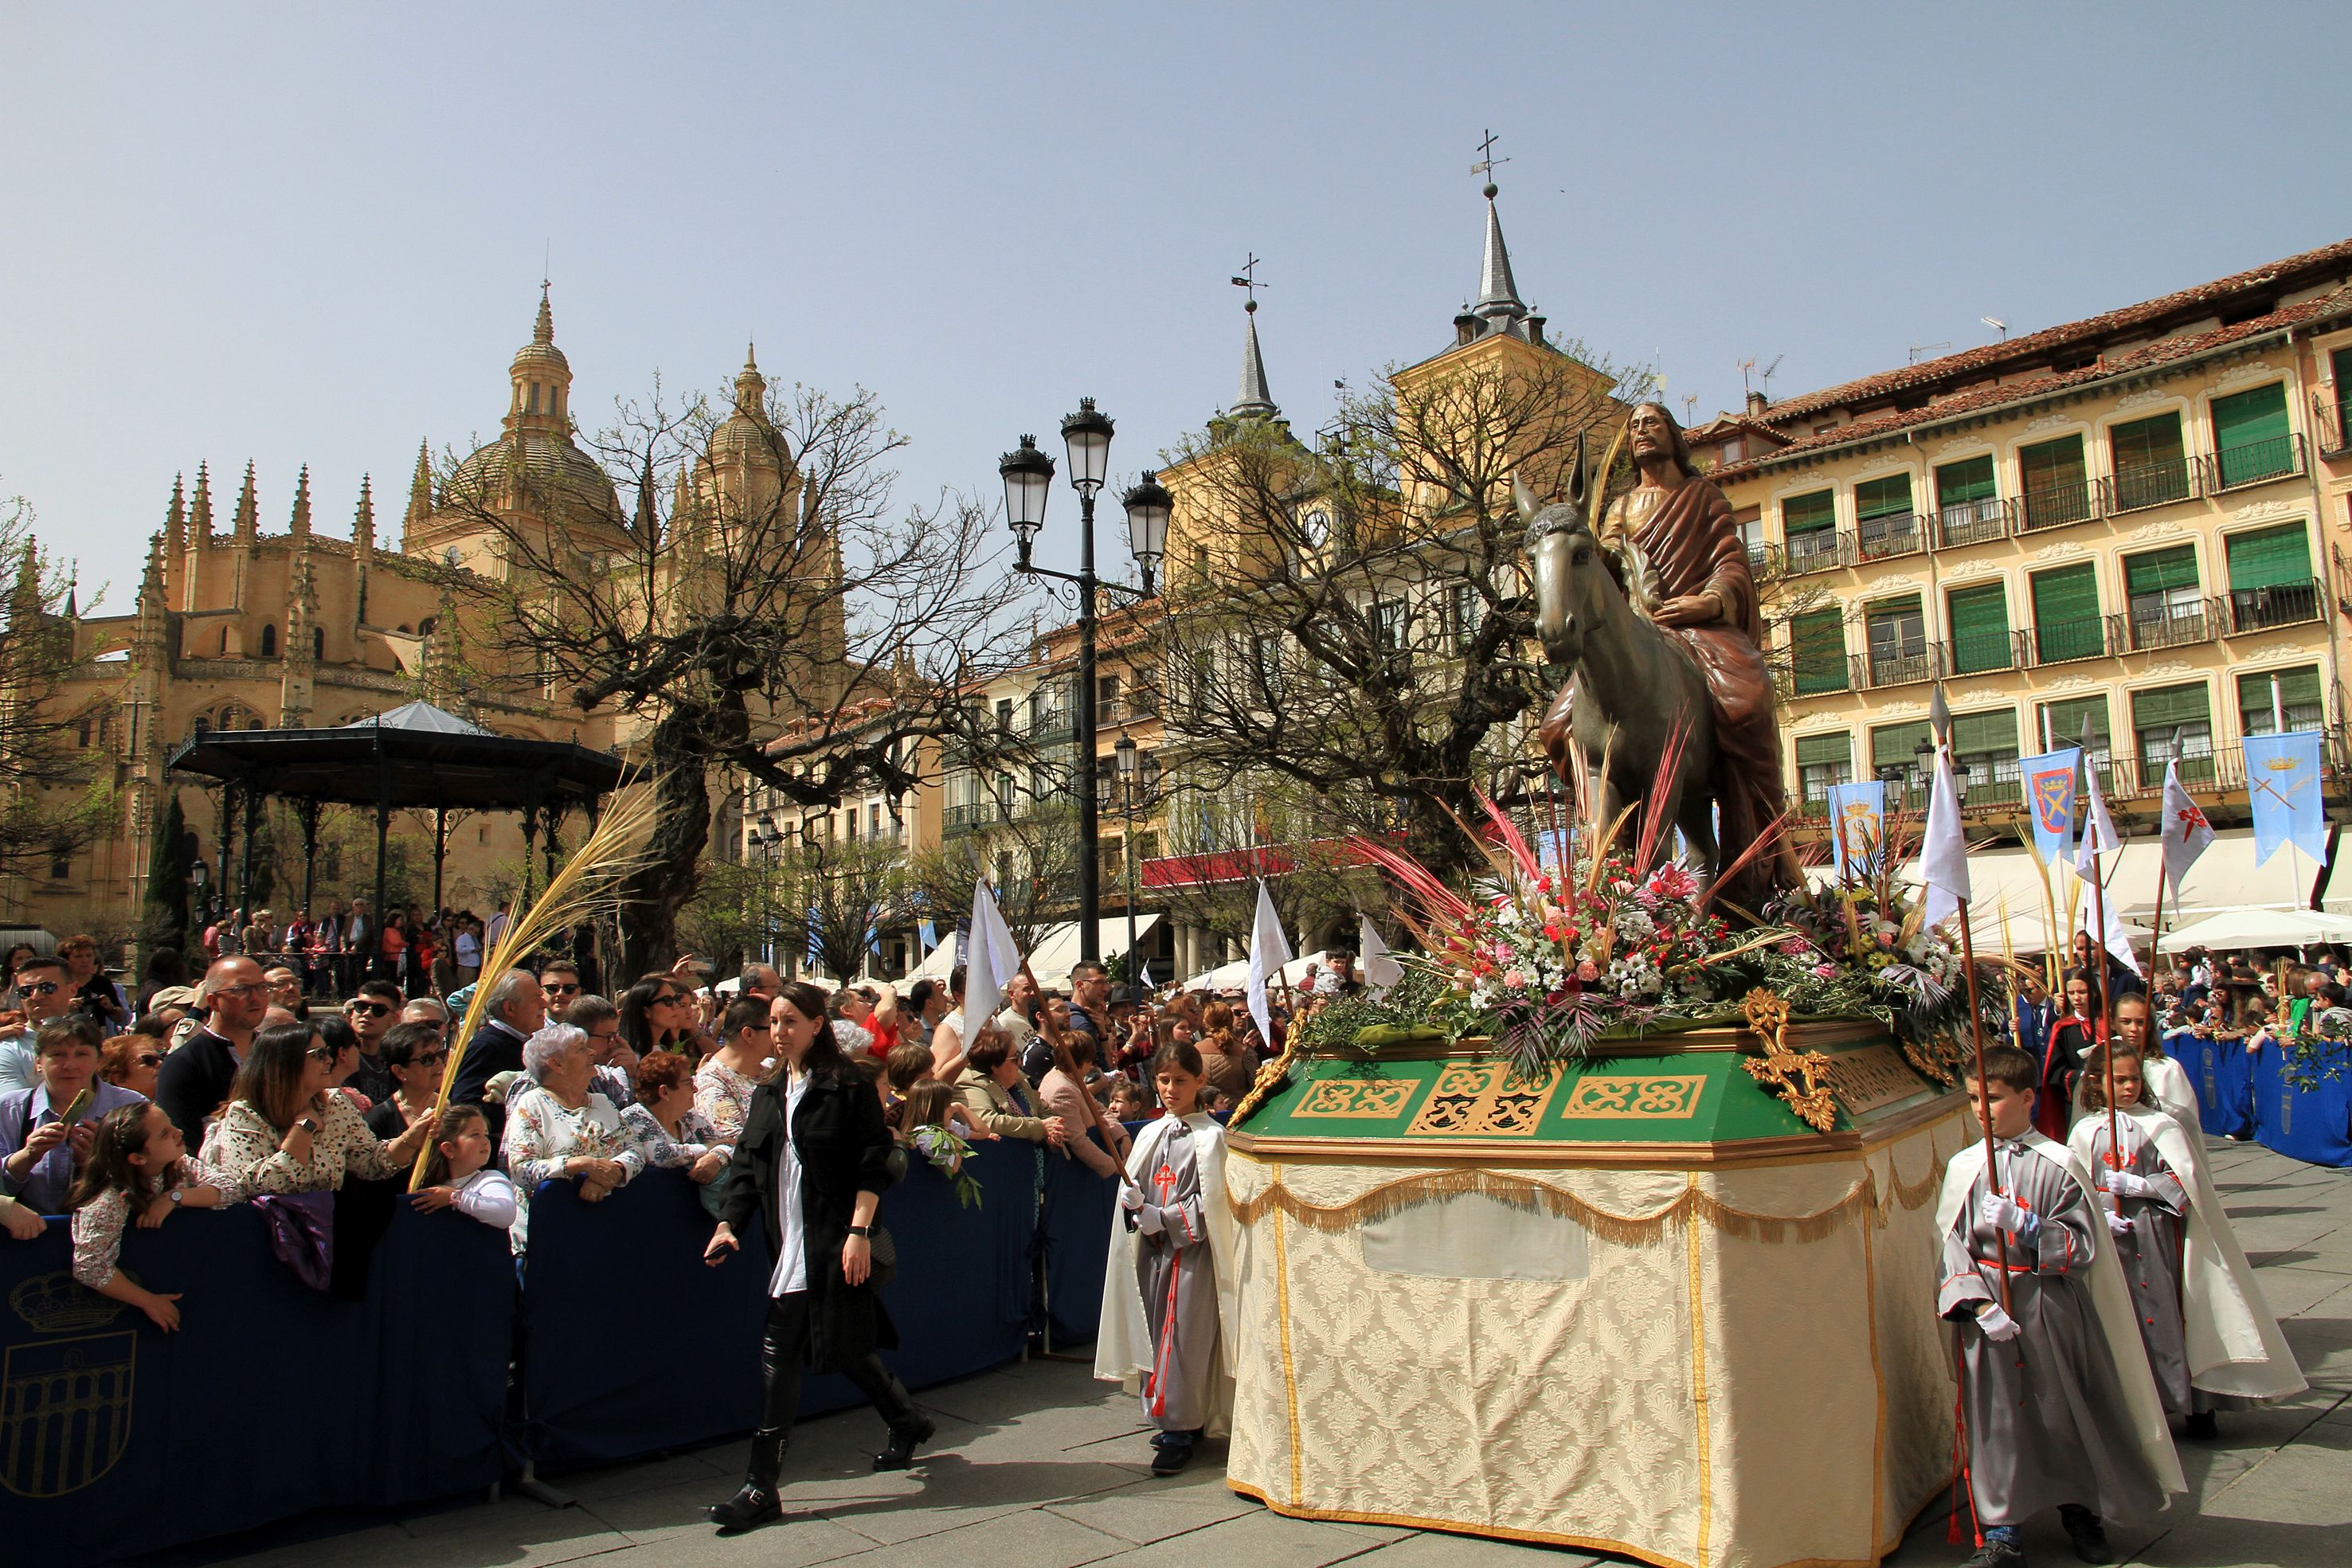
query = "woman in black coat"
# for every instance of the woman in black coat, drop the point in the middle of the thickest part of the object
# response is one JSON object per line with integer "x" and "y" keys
{"x": 815, "y": 1127}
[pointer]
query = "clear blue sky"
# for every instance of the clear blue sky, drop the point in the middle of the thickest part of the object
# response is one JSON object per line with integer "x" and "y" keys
{"x": 315, "y": 235}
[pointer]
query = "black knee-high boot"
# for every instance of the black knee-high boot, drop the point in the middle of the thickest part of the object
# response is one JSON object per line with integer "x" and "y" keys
{"x": 781, "y": 1340}
{"x": 908, "y": 1425}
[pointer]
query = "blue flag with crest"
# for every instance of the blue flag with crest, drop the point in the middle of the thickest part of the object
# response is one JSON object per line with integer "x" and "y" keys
{"x": 2282, "y": 787}
{"x": 2049, "y": 781}
{"x": 1857, "y": 826}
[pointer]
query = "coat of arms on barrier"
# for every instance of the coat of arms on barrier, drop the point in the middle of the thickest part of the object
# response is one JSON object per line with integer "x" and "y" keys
{"x": 64, "y": 1401}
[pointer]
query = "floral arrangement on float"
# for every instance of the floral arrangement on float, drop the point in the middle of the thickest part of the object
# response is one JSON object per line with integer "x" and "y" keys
{"x": 1624, "y": 941}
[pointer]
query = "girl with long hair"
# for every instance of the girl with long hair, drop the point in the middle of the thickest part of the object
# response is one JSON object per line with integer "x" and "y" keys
{"x": 810, "y": 1169}
{"x": 457, "y": 1171}
{"x": 285, "y": 1131}
{"x": 138, "y": 1170}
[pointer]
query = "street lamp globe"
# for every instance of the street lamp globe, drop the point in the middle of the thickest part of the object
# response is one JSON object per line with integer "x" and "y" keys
{"x": 1148, "y": 507}
{"x": 1086, "y": 436}
{"x": 1028, "y": 479}
{"x": 1126, "y": 754}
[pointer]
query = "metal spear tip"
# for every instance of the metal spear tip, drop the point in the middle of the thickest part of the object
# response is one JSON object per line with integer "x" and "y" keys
{"x": 1939, "y": 713}
{"x": 2176, "y": 744}
{"x": 2088, "y": 735}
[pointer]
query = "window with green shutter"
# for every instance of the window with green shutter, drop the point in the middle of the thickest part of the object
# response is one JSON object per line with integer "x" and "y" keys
{"x": 2151, "y": 462}
{"x": 1980, "y": 628}
{"x": 1808, "y": 527}
{"x": 1894, "y": 745}
{"x": 2066, "y": 623}
{"x": 2270, "y": 580}
{"x": 1897, "y": 631}
{"x": 1967, "y": 510}
{"x": 1884, "y": 523}
{"x": 1984, "y": 756}
{"x": 2158, "y": 716}
{"x": 2340, "y": 370}
{"x": 2056, "y": 482}
{"x": 1817, "y": 652}
{"x": 1823, "y": 760}
{"x": 2250, "y": 435}
{"x": 2061, "y": 723}
{"x": 2298, "y": 695}
{"x": 1967, "y": 481}
{"x": 2160, "y": 588}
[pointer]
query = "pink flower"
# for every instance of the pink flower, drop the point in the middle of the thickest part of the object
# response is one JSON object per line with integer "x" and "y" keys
{"x": 1795, "y": 947}
{"x": 1825, "y": 971}
{"x": 1504, "y": 952}
{"x": 1588, "y": 971}
{"x": 1672, "y": 881}
{"x": 1515, "y": 979}
{"x": 1886, "y": 938}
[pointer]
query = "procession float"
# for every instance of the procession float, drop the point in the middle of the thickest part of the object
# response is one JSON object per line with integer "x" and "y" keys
{"x": 1610, "y": 1224}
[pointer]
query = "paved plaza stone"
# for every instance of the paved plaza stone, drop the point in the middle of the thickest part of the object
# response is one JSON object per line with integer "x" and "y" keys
{"x": 1038, "y": 1466}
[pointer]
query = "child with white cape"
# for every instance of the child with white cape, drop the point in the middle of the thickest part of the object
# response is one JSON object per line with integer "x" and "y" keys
{"x": 2211, "y": 1342}
{"x": 2162, "y": 1080}
{"x": 2057, "y": 1403}
{"x": 1167, "y": 1309}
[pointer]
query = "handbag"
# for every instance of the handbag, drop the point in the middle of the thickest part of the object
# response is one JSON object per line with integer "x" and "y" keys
{"x": 884, "y": 1252}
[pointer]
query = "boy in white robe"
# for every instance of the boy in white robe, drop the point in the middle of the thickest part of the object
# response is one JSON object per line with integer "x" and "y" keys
{"x": 2058, "y": 1407}
{"x": 1167, "y": 1307}
{"x": 2211, "y": 1342}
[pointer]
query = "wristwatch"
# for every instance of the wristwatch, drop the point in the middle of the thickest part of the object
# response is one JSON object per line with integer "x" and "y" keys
{"x": 865, "y": 1230}
{"x": 175, "y": 1195}
{"x": 308, "y": 1125}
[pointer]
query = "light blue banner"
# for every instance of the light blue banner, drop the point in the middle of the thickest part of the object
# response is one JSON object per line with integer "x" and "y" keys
{"x": 2049, "y": 781}
{"x": 1857, "y": 826}
{"x": 2283, "y": 786}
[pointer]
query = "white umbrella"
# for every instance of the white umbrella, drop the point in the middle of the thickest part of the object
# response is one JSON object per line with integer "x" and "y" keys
{"x": 1230, "y": 977}
{"x": 2234, "y": 928}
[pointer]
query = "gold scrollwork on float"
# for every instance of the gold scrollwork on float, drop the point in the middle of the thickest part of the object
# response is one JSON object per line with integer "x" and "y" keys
{"x": 1672, "y": 1099}
{"x": 1483, "y": 1100}
{"x": 1359, "y": 1100}
{"x": 1800, "y": 1077}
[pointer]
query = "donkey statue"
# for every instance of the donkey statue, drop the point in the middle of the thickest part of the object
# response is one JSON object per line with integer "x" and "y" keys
{"x": 1632, "y": 685}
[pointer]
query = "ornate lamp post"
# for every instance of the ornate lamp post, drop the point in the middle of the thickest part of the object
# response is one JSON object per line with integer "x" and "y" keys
{"x": 1129, "y": 770}
{"x": 1028, "y": 476}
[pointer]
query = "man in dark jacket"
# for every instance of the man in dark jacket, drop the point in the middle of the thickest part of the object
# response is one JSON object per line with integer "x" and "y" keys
{"x": 517, "y": 1010}
{"x": 194, "y": 1080}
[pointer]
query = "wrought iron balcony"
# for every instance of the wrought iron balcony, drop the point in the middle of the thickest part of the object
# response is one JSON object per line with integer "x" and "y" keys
{"x": 1819, "y": 549}
{"x": 2255, "y": 463}
{"x": 2058, "y": 641}
{"x": 1976, "y": 655}
{"x": 1901, "y": 667}
{"x": 1881, "y": 539}
{"x": 1972, "y": 522}
{"x": 2281, "y": 605}
{"x": 2152, "y": 485}
{"x": 2334, "y": 423}
{"x": 2056, "y": 506}
{"x": 2172, "y": 626}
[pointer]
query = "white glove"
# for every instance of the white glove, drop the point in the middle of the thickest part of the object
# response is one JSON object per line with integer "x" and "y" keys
{"x": 2116, "y": 1224}
{"x": 2002, "y": 1214}
{"x": 1998, "y": 1325}
{"x": 1130, "y": 1197}
{"x": 2127, "y": 1184}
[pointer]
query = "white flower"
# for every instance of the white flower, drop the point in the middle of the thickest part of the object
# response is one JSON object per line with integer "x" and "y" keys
{"x": 1635, "y": 925}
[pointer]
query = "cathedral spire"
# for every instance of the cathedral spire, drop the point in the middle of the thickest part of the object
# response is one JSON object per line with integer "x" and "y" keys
{"x": 200, "y": 510}
{"x": 175, "y": 537}
{"x": 1255, "y": 399}
{"x": 300, "y": 525}
{"x": 363, "y": 521}
{"x": 246, "y": 523}
{"x": 1498, "y": 294}
{"x": 420, "y": 498}
{"x": 543, "y": 330}
{"x": 751, "y": 386}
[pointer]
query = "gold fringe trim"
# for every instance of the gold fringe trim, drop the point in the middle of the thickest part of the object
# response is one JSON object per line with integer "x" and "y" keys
{"x": 1620, "y": 1230}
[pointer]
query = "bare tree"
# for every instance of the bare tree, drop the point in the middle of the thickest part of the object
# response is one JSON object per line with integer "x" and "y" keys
{"x": 779, "y": 616}
{"x": 1368, "y": 641}
{"x": 836, "y": 896}
{"x": 53, "y": 800}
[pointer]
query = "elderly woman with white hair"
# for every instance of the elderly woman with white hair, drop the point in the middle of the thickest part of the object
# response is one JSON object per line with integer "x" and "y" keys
{"x": 565, "y": 1132}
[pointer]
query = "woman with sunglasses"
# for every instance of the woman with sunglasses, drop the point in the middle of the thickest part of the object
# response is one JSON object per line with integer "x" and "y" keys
{"x": 416, "y": 1054}
{"x": 131, "y": 1060}
{"x": 810, "y": 1173}
{"x": 285, "y": 1131}
{"x": 658, "y": 1014}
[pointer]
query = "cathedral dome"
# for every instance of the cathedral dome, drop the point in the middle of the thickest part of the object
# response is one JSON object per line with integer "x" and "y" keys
{"x": 746, "y": 435}
{"x": 553, "y": 470}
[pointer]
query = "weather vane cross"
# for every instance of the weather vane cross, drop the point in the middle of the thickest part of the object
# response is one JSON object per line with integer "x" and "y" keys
{"x": 1248, "y": 280}
{"x": 1486, "y": 159}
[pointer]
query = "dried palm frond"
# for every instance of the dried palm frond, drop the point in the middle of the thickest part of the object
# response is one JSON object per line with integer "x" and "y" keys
{"x": 1654, "y": 824}
{"x": 584, "y": 885}
{"x": 1598, "y": 502}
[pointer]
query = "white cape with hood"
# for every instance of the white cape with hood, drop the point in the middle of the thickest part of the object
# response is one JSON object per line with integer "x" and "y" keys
{"x": 2168, "y": 1085}
{"x": 2234, "y": 1343}
{"x": 2110, "y": 1298}
{"x": 1123, "y": 1343}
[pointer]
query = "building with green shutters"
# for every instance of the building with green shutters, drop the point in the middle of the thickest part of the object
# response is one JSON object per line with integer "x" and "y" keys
{"x": 2135, "y": 527}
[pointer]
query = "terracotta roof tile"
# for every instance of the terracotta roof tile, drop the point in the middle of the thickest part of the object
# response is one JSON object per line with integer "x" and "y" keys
{"x": 2293, "y": 271}
{"x": 2136, "y": 362}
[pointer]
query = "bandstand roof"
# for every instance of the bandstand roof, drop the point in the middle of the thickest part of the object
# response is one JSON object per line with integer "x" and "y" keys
{"x": 414, "y": 755}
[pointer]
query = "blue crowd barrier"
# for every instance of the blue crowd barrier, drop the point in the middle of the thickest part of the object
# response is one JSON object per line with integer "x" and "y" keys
{"x": 600, "y": 1273}
{"x": 272, "y": 1399}
{"x": 2221, "y": 1071}
{"x": 1074, "y": 1224}
{"x": 2313, "y": 1124}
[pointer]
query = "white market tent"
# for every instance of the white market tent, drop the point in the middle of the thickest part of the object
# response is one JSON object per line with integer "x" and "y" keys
{"x": 1050, "y": 960}
{"x": 2260, "y": 928}
{"x": 1235, "y": 976}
